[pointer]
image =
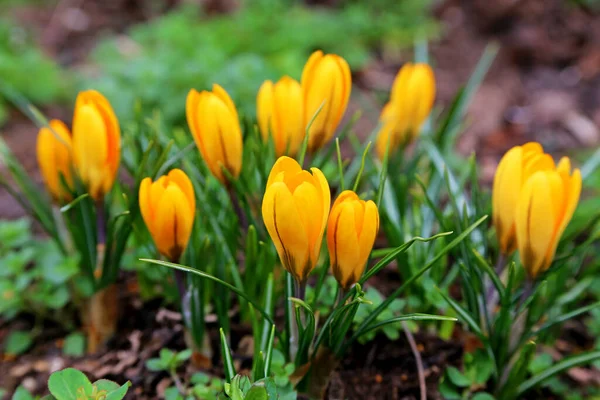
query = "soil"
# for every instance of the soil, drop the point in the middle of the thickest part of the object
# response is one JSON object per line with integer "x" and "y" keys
{"x": 544, "y": 85}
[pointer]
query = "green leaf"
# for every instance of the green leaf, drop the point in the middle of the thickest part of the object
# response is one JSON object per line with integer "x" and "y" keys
{"x": 64, "y": 384}
{"x": 464, "y": 316}
{"x": 483, "y": 396}
{"x": 105, "y": 384}
{"x": 257, "y": 392}
{"x": 219, "y": 281}
{"x": 227, "y": 360}
{"x": 408, "y": 317}
{"x": 183, "y": 356}
{"x": 119, "y": 393}
{"x": 22, "y": 394}
{"x": 18, "y": 342}
{"x": 557, "y": 368}
{"x": 172, "y": 393}
{"x": 74, "y": 345}
{"x": 395, "y": 252}
{"x": 457, "y": 377}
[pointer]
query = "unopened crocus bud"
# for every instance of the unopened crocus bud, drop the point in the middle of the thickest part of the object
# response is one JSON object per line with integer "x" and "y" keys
{"x": 411, "y": 100}
{"x": 213, "y": 120}
{"x": 545, "y": 207}
{"x": 515, "y": 167}
{"x": 280, "y": 114}
{"x": 168, "y": 207}
{"x": 55, "y": 159}
{"x": 326, "y": 83}
{"x": 96, "y": 143}
{"x": 295, "y": 209}
{"x": 351, "y": 232}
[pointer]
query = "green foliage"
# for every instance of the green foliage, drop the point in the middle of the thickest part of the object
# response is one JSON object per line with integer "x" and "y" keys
{"x": 74, "y": 345}
{"x": 164, "y": 59}
{"x": 20, "y": 60}
{"x": 71, "y": 384}
{"x": 391, "y": 331}
{"x": 34, "y": 275}
{"x": 168, "y": 360}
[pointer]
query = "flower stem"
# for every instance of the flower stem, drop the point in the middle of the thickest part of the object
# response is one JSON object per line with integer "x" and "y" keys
{"x": 237, "y": 207}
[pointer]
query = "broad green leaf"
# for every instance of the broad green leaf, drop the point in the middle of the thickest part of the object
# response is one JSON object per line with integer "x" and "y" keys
{"x": 64, "y": 384}
{"x": 74, "y": 345}
{"x": 18, "y": 342}
{"x": 257, "y": 392}
{"x": 22, "y": 394}
{"x": 457, "y": 377}
{"x": 119, "y": 393}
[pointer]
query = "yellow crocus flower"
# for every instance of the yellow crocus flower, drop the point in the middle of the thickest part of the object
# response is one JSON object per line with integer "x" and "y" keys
{"x": 168, "y": 207}
{"x": 213, "y": 120}
{"x": 280, "y": 114}
{"x": 545, "y": 207}
{"x": 295, "y": 209}
{"x": 326, "y": 82}
{"x": 411, "y": 100}
{"x": 96, "y": 143}
{"x": 351, "y": 232}
{"x": 515, "y": 167}
{"x": 55, "y": 159}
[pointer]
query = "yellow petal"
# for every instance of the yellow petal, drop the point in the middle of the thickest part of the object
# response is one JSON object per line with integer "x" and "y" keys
{"x": 288, "y": 118}
{"x": 90, "y": 149}
{"x": 181, "y": 179}
{"x": 146, "y": 203}
{"x": 535, "y": 222}
{"x": 282, "y": 220}
{"x": 264, "y": 108}
{"x": 505, "y": 195}
{"x": 173, "y": 223}
{"x": 224, "y": 96}
{"x": 283, "y": 164}
{"x": 323, "y": 186}
{"x": 345, "y": 245}
{"x": 369, "y": 231}
{"x": 309, "y": 209}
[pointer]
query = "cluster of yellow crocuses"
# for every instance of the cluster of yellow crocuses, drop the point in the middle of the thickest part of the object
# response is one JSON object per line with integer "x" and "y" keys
{"x": 92, "y": 151}
{"x": 296, "y": 211}
{"x": 533, "y": 201}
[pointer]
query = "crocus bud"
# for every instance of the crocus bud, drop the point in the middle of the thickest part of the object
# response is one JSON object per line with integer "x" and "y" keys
{"x": 545, "y": 207}
{"x": 55, "y": 159}
{"x": 279, "y": 113}
{"x": 326, "y": 83}
{"x": 96, "y": 143}
{"x": 168, "y": 207}
{"x": 351, "y": 232}
{"x": 295, "y": 210}
{"x": 515, "y": 167}
{"x": 411, "y": 100}
{"x": 214, "y": 123}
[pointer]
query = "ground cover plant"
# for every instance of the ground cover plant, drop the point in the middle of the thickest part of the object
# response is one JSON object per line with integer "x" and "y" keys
{"x": 274, "y": 215}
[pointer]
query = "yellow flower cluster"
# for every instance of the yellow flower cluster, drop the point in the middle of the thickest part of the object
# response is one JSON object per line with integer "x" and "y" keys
{"x": 296, "y": 211}
{"x": 92, "y": 150}
{"x": 533, "y": 201}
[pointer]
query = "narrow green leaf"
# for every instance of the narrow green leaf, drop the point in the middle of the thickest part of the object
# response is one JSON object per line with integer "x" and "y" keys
{"x": 227, "y": 360}
{"x": 74, "y": 202}
{"x": 391, "y": 255}
{"x": 269, "y": 352}
{"x": 409, "y": 317}
{"x": 464, "y": 316}
{"x": 219, "y": 281}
